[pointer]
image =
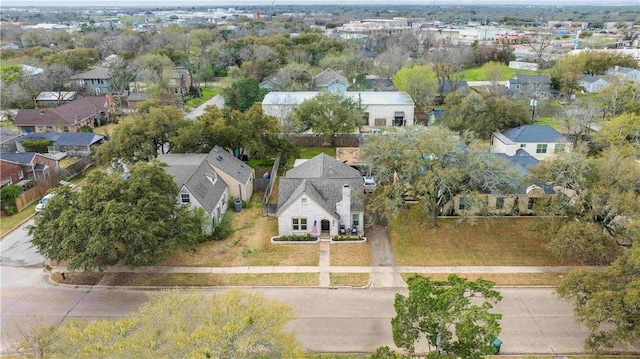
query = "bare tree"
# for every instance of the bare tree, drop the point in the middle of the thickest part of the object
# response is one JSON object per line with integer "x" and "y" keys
{"x": 389, "y": 62}
{"x": 448, "y": 61}
{"x": 540, "y": 44}
{"x": 580, "y": 118}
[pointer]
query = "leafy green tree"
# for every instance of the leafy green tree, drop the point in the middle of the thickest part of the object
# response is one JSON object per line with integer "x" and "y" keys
{"x": 466, "y": 110}
{"x": 112, "y": 220}
{"x": 432, "y": 167}
{"x": 419, "y": 82}
{"x": 608, "y": 303}
{"x": 76, "y": 59}
{"x": 143, "y": 139}
{"x": 597, "y": 199}
{"x": 243, "y": 94}
{"x": 172, "y": 324}
{"x": 443, "y": 312}
{"x": 328, "y": 114}
{"x": 251, "y": 133}
{"x": 623, "y": 133}
{"x": 8, "y": 195}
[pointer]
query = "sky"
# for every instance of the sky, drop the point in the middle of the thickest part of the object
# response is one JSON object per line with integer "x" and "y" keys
{"x": 231, "y": 3}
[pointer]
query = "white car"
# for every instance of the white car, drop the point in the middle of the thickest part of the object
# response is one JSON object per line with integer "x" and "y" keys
{"x": 369, "y": 184}
{"x": 43, "y": 202}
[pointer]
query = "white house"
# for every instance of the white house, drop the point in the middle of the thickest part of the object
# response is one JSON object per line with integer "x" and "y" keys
{"x": 592, "y": 84}
{"x": 209, "y": 180}
{"x": 331, "y": 81}
{"x": 390, "y": 108}
{"x": 318, "y": 196}
{"x": 540, "y": 141}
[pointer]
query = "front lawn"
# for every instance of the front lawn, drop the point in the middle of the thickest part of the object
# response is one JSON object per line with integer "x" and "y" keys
{"x": 350, "y": 254}
{"x": 249, "y": 245}
{"x": 504, "y": 242}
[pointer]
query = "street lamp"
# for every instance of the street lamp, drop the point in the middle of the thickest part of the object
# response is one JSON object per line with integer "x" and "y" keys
{"x": 533, "y": 103}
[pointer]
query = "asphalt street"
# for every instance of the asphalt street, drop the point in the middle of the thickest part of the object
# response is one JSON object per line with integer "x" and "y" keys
{"x": 329, "y": 320}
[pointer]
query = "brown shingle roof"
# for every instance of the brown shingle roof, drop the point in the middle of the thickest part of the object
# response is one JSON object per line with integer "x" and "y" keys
{"x": 64, "y": 114}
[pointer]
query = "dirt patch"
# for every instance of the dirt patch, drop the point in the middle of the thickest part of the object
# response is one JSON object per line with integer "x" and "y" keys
{"x": 77, "y": 278}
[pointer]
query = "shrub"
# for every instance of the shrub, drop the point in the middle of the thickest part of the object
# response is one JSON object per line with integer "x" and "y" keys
{"x": 224, "y": 229}
{"x": 8, "y": 196}
{"x": 296, "y": 238}
{"x": 346, "y": 238}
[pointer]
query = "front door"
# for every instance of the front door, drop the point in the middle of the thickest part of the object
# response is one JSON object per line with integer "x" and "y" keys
{"x": 324, "y": 225}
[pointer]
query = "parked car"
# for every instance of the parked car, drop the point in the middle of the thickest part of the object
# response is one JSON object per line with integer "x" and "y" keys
{"x": 369, "y": 184}
{"x": 43, "y": 202}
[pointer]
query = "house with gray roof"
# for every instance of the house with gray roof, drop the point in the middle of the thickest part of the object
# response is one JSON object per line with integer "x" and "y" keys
{"x": 330, "y": 80}
{"x": 97, "y": 80}
{"x": 319, "y": 196}
{"x": 20, "y": 168}
{"x": 540, "y": 141}
{"x": 530, "y": 85}
{"x": 592, "y": 84}
{"x": 626, "y": 73}
{"x": 209, "y": 181}
{"x": 76, "y": 144}
{"x": 382, "y": 108}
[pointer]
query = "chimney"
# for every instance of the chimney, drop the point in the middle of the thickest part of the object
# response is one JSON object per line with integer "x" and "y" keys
{"x": 343, "y": 208}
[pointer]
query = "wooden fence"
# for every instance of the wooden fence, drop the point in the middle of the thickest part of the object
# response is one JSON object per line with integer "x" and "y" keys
{"x": 269, "y": 209}
{"x": 34, "y": 194}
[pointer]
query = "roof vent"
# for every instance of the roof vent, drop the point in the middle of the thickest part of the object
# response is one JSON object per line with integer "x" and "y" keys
{"x": 219, "y": 158}
{"x": 41, "y": 112}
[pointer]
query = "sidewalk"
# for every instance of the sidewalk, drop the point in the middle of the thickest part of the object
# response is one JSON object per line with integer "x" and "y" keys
{"x": 381, "y": 276}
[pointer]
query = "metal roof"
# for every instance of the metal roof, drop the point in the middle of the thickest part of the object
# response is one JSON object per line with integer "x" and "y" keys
{"x": 367, "y": 98}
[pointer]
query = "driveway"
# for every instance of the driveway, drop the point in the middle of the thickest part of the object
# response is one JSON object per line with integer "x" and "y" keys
{"x": 382, "y": 256}
{"x": 216, "y": 100}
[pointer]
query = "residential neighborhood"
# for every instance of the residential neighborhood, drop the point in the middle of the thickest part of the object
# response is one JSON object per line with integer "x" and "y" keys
{"x": 334, "y": 175}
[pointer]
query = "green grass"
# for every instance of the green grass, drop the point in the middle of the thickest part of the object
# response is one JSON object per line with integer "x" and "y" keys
{"x": 261, "y": 162}
{"x": 207, "y": 93}
{"x": 8, "y": 223}
{"x": 499, "y": 242}
{"x": 554, "y": 121}
{"x": 480, "y": 74}
{"x": 310, "y": 152}
{"x": 82, "y": 176}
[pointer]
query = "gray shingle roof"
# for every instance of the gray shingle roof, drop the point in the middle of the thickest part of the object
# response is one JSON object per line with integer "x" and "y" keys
{"x": 328, "y": 76}
{"x": 97, "y": 72}
{"x": 522, "y": 161}
{"x": 230, "y": 165}
{"x": 530, "y": 79}
{"x": 323, "y": 166}
{"x": 535, "y": 134}
{"x": 64, "y": 138}
{"x": 322, "y": 179}
{"x": 19, "y": 158}
{"x": 193, "y": 171}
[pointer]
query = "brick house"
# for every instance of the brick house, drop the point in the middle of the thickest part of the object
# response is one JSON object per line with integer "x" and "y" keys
{"x": 69, "y": 117}
{"x": 19, "y": 168}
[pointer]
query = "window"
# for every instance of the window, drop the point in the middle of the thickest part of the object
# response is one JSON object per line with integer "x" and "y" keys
{"x": 356, "y": 220}
{"x": 531, "y": 203}
{"x": 303, "y": 200}
{"x": 500, "y": 203}
{"x": 559, "y": 147}
{"x": 299, "y": 224}
{"x": 541, "y": 148}
{"x": 20, "y": 174}
{"x": 463, "y": 204}
{"x": 523, "y": 145}
{"x": 65, "y": 129}
{"x": 185, "y": 198}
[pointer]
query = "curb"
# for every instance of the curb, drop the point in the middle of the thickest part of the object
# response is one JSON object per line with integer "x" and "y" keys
{"x": 16, "y": 226}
